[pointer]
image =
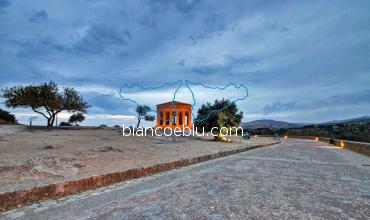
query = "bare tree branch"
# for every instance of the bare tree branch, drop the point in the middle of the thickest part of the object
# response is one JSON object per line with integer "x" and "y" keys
{"x": 39, "y": 112}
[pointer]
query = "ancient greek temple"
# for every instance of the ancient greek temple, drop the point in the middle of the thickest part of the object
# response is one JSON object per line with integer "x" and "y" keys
{"x": 174, "y": 114}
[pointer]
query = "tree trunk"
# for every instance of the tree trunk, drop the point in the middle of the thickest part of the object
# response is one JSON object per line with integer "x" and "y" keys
{"x": 51, "y": 120}
{"x": 138, "y": 122}
{"x": 48, "y": 124}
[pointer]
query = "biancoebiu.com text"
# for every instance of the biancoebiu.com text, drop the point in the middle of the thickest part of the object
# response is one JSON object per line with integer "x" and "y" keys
{"x": 178, "y": 131}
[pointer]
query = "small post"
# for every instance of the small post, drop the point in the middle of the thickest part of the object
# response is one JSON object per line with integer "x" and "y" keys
{"x": 31, "y": 119}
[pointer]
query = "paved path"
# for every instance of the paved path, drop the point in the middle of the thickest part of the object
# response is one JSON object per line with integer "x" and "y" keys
{"x": 294, "y": 180}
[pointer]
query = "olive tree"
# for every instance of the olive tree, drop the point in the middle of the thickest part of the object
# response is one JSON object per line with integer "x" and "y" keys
{"x": 222, "y": 113}
{"x": 44, "y": 99}
{"x": 76, "y": 118}
{"x": 143, "y": 114}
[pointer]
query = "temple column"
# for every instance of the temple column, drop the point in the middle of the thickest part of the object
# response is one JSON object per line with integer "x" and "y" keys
{"x": 177, "y": 118}
{"x": 158, "y": 118}
{"x": 170, "y": 124}
{"x": 164, "y": 119}
{"x": 162, "y": 116}
{"x": 183, "y": 117}
{"x": 189, "y": 119}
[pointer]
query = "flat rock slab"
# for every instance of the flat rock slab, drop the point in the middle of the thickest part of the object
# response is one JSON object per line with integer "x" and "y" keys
{"x": 297, "y": 179}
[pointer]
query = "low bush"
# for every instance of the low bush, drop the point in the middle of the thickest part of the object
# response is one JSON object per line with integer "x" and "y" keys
{"x": 63, "y": 123}
{"x": 7, "y": 117}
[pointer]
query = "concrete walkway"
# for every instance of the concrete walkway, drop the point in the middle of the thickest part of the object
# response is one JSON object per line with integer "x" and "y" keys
{"x": 297, "y": 179}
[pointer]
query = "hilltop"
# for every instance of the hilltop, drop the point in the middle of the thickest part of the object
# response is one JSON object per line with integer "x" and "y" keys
{"x": 273, "y": 124}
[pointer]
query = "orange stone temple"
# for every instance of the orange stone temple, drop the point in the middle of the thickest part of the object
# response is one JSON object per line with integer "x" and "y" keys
{"x": 174, "y": 114}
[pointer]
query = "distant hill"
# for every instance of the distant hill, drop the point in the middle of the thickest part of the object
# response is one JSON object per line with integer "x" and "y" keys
{"x": 272, "y": 124}
{"x": 360, "y": 120}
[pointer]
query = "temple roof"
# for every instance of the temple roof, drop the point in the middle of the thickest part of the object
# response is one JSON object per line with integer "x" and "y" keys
{"x": 174, "y": 103}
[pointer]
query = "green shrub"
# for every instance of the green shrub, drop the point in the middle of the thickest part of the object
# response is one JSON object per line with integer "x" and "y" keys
{"x": 63, "y": 123}
{"x": 76, "y": 117}
{"x": 6, "y": 116}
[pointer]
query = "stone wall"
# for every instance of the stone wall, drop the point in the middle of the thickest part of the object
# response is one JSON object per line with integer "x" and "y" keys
{"x": 359, "y": 147}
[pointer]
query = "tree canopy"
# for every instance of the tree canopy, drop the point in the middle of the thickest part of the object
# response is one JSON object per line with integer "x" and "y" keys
{"x": 76, "y": 117}
{"x": 44, "y": 99}
{"x": 222, "y": 113}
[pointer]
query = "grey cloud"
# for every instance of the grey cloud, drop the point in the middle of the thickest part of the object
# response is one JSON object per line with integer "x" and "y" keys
{"x": 209, "y": 69}
{"x": 38, "y": 46}
{"x": 280, "y": 28}
{"x": 181, "y": 62}
{"x": 215, "y": 23}
{"x": 105, "y": 103}
{"x": 235, "y": 59}
{"x": 184, "y": 6}
{"x": 99, "y": 36}
{"x": 128, "y": 34}
{"x": 41, "y": 15}
{"x": 148, "y": 22}
{"x": 232, "y": 62}
{"x": 352, "y": 98}
{"x": 193, "y": 40}
{"x": 296, "y": 48}
{"x": 5, "y": 3}
{"x": 279, "y": 107}
{"x": 331, "y": 102}
{"x": 123, "y": 53}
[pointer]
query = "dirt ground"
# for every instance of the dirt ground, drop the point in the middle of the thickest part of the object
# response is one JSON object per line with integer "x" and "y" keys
{"x": 38, "y": 157}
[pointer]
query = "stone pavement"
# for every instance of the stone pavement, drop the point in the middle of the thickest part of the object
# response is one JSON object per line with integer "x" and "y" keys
{"x": 297, "y": 179}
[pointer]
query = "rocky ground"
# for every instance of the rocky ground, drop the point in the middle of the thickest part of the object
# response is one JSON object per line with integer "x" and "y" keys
{"x": 37, "y": 157}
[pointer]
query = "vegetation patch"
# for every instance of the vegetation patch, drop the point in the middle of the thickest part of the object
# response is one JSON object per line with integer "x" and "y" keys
{"x": 7, "y": 117}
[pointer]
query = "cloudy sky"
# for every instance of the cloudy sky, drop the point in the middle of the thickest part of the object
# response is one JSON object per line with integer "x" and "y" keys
{"x": 302, "y": 61}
